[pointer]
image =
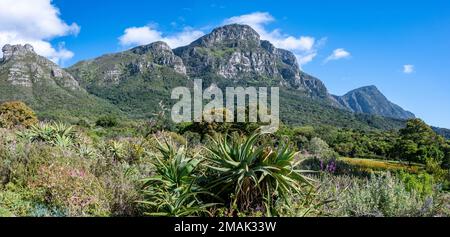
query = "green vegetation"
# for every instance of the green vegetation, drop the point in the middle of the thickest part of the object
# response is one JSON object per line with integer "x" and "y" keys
{"x": 16, "y": 113}
{"x": 101, "y": 143}
{"x": 253, "y": 177}
{"x": 139, "y": 169}
{"x": 107, "y": 121}
{"x": 379, "y": 195}
{"x": 371, "y": 165}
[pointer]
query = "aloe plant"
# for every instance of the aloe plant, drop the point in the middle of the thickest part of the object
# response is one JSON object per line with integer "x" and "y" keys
{"x": 254, "y": 177}
{"x": 58, "y": 134}
{"x": 174, "y": 191}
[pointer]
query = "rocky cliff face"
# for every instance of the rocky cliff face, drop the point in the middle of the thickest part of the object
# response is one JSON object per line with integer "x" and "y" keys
{"x": 23, "y": 67}
{"x": 370, "y": 100}
{"x": 236, "y": 52}
{"x": 162, "y": 55}
{"x": 115, "y": 68}
{"x": 43, "y": 85}
{"x": 233, "y": 52}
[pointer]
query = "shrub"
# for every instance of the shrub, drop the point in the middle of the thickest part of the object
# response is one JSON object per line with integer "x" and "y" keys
{"x": 173, "y": 191}
{"x": 253, "y": 177}
{"x": 422, "y": 183}
{"x": 320, "y": 150}
{"x": 71, "y": 189}
{"x": 13, "y": 202}
{"x": 57, "y": 134}
{"x": 5, "y": 212}
{"x": 107, "y": 122}
{"x": 83, "y": 123}
{"x": 380, "y": 195}
{"x": 123, "y": 190}
{"x": 16, "y": 113}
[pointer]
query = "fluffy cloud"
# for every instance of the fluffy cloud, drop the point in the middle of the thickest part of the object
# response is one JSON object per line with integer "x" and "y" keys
{"x": 304, "y": 47}
{"x": 408, "y": 69}
{"x": 134, "y": 36}
{"x": 35, "y": 22}
{"x": 338, "y": 54}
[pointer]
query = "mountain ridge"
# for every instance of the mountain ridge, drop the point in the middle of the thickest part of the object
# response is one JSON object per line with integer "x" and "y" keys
{"x": 136, "y": 80}
{"x": 43, "y": 85}
{"x": 370, "y": 100}
{"x": 232, "y": 55}
{"x": 236, "y": 52}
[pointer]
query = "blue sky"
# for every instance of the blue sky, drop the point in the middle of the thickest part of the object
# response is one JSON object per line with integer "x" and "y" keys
{"x": 402, "y": 47}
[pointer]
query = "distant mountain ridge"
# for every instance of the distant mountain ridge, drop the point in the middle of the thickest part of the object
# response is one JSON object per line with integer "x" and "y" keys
{"x": 443, "y": 132}
{"x": 136, "y": 80}
{"x": 370, "y": 100}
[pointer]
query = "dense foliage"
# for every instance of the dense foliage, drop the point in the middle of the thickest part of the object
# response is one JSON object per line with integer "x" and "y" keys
{"x": 138, "y": 168}
{"x": 16, "y": 113}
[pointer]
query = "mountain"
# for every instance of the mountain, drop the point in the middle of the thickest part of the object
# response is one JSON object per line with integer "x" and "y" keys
{"x": 43, "y": 85}
{"x": 443, "y": 132}
{"x": 236, "y": 52}
{"x": 136, "y": 80}
{"x": 370, "y": 100}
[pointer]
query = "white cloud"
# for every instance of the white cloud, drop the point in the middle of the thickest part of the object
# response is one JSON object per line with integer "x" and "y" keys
{"x": 35, "y": 22}
{"x": 408, "y": 69}
{"x": 139, "y": 36}
{"x": 135, "y": 36}
{"x": 305, "y": 58}
{"x": 304, "y": 47}
{"x": 338, "y": 54}
{"x": 255, "y": 20}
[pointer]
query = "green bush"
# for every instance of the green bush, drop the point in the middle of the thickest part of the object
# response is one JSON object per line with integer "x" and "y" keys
{"x": 16, "y": 113}
{"x": 13, "y": 201}
{"x": 57, "y": 134}
{"x": 83, "y": 123}
{"x": 380, "y": 195}
{"x": 72, "y": 189}
{"x": 320, "y": 149}
{"x": 253, "y": 177}
{"x": 173, "y": 191}
{"x": 423, "y": 183}
{"x": 107, "y": 122}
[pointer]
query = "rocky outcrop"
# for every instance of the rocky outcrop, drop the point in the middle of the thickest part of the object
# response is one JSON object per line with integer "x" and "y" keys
{"x": 236, "y": 52}
{"x": 24, "y": 68}
{"x": 51, "y": 91}
{"x": 233, "y": 36}
{"x": 162, "y": 55}
{"x": 17, "y": 51}
{"x": 115, "y": 68}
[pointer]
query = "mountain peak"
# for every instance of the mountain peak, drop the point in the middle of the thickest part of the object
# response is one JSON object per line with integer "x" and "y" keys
{"x": 157, "y": 46}
{"x": 370, "y": 100}
{"x": 23, "y": 67}
{"x": 236, "y": 52}
{"x": 44, "y": 86}
{"x": 240, "y": 29}
{"x": 162, "y": 54}
{"x": 234, "y": 35}
{"x": 10, "y": 51}
{"x": 368, "y": 88}
{"x": 371, "y": 87}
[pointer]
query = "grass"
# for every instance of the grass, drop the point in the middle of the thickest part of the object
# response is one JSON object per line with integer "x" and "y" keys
{"x": 371, "y": 164}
